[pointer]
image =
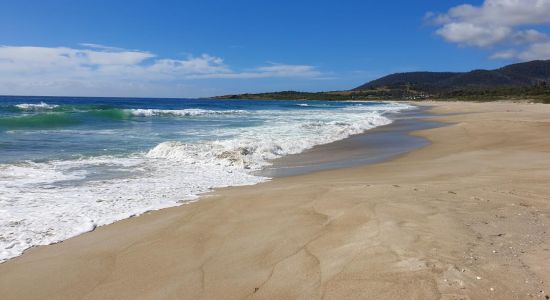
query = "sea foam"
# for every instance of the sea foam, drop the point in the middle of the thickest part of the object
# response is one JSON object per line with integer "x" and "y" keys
{"x": 35, "y": 106}
{"x": 47, "y": 202}
{"x": 181, "y": 112}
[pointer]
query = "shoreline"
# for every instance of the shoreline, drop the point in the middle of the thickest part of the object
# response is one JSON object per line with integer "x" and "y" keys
{"x": 373, "y": 146}
{"x": 463, "y": 217}
{"x": 202, "y": 166}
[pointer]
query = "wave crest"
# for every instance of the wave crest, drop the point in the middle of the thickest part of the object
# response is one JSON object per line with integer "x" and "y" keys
{"x": 35, "y": 106}
{"x": 111, "y": 188}
{"x": 181, "y": 112}
{"x": 256, "y": 148}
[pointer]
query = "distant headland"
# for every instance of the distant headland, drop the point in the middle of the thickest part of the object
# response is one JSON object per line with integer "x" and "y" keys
{"x": 528, "y": 80}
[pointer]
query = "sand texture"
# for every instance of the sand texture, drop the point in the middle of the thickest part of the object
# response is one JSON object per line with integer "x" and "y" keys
{"x": 467, "y": 217}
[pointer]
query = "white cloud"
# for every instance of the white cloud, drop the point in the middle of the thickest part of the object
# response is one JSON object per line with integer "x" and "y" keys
{"x": 496, "y": 24}
{"x": 529, "y": 36}
{"x": 535, "y": 51}
{"x": 472, "y": 34}
{"x": 500, "y": 12}
{"x": 61, "y": 56}
{"x": 102, "y": 47}
{"x": 506, "y": 54}
{"x": 283, "y": 70}
{"x": 204, "y": 64}
{"x": 271, "y": 71}
{"x": 54, "y": 69}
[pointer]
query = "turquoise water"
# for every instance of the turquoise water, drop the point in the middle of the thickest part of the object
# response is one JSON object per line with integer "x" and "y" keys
{"x": 68, "y": 165}
{"x": 64, "y": 128}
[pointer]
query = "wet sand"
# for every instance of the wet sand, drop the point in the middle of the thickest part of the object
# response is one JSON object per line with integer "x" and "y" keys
{"x": 465, "y": 217}
{"x": 375, "y": 145}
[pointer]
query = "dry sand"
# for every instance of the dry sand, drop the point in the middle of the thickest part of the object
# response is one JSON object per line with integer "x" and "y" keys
{"x": 467, "y": 217}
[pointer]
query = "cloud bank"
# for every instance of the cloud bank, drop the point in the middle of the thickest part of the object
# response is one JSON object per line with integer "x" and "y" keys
{"x": 511, "y": 28}
{"x": 80, "y": 71}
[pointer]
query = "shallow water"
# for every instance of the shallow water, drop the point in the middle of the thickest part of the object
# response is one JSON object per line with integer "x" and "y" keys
{"x": 68, "y": 165}
{"x": 376, "y": 145}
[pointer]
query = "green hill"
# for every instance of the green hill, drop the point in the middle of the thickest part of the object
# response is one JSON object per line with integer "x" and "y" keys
{"x": 529, "y": 80}
{"x": 517, "y": 75}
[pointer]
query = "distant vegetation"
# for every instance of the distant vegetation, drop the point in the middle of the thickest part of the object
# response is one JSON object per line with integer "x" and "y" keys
{"x": 375, "y": 94}
{"x": 530, "y": 80}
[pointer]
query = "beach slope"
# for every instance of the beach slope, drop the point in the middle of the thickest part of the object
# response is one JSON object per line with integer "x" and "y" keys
{"x": 467, "y": 217}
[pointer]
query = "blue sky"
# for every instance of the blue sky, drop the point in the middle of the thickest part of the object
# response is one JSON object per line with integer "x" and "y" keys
{"x": 205, "y": 48}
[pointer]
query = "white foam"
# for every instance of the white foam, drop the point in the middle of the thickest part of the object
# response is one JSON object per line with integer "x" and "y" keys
{"x": 181, "y": 112}
{"x": 44, "y": 203}
{"x": 41, "y": 213}
{"x": 34, "y": 106}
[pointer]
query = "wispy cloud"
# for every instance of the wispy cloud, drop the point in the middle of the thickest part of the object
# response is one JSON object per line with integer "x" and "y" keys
{"x": 271, "y": 71}
{"x": 102, "y": 47}
{"x": 97, "y": 65}
{"x": 498, "y": 24}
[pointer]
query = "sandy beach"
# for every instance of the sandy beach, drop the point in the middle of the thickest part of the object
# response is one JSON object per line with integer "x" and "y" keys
{"x": 465, "y": 217}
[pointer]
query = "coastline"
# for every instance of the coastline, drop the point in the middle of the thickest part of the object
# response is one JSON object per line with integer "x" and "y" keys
{"x": 160, "y": 155}
{"x": 364, "y": 150}
{"x": 465, "y": 216}
{"x": 373, "y": 146}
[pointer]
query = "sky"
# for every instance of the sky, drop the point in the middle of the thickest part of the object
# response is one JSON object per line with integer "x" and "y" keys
{"x": 204, "y": 48}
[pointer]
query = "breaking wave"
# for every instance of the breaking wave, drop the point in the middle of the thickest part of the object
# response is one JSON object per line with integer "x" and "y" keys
{"x": 34, "y": 106}
{"x": 47, "y": 202}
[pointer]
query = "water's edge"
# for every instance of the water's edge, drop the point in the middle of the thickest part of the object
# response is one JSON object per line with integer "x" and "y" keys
{"x": 373, "y": 146}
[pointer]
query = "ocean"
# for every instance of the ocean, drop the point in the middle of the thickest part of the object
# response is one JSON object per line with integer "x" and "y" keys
{"x": 68, "y": 165}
